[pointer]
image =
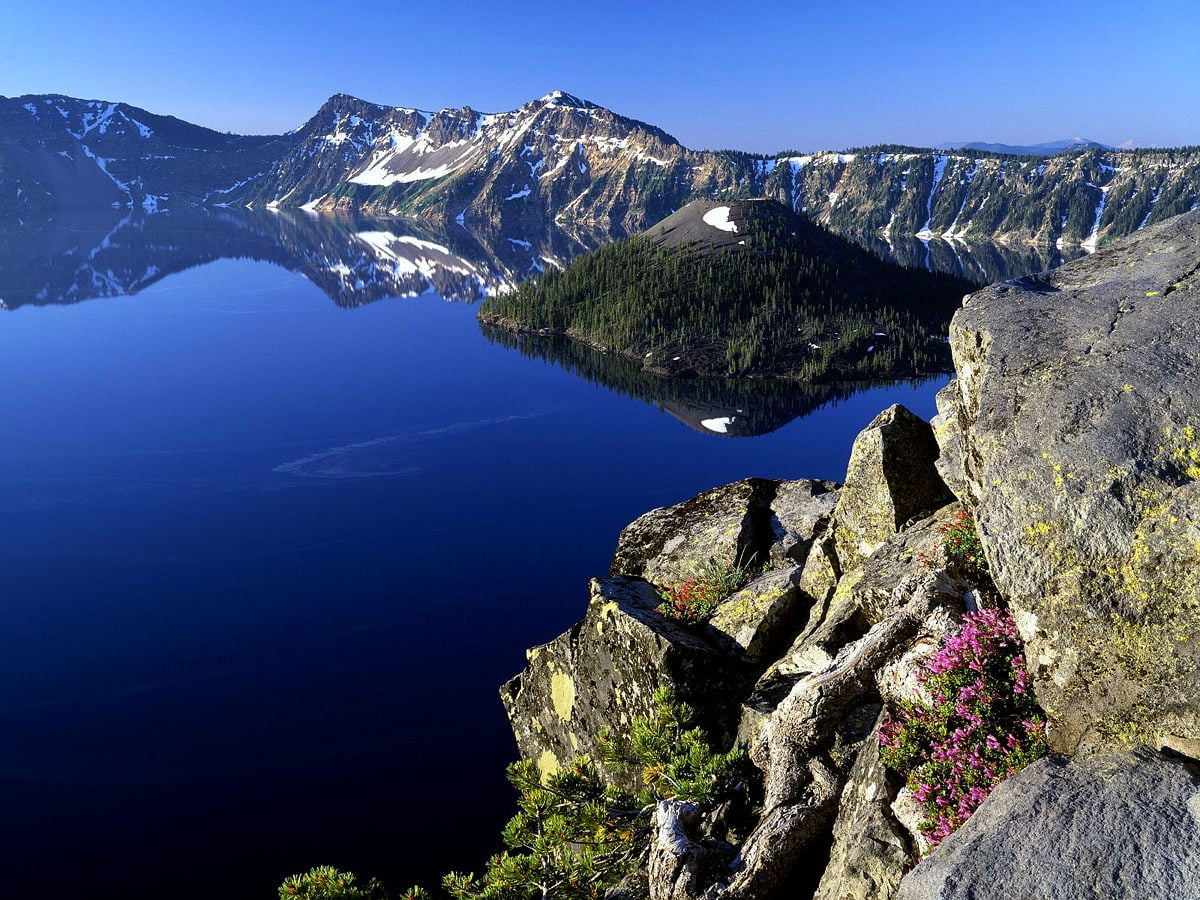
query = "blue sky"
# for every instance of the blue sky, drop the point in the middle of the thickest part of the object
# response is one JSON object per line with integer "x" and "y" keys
{"x": 754, "y": 76}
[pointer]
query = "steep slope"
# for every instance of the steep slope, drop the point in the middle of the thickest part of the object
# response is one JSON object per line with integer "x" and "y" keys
{"x": 558, "y": 158}
{"x": 1072, "y": 199}
{"x": 569, "y": 161}
{"x": 742, "y": 287}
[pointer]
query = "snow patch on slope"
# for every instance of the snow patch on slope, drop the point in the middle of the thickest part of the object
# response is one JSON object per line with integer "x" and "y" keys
{"x": 718, "y": 217}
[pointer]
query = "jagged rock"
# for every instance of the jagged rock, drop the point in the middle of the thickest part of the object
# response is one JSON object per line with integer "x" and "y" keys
{"x": 871, "y": 850}
{"x": 763, "y": 615}
{"x": 949, "y": 439}
{"x": 800, "y": 510}
{"x": 602, "y": 674}
{"x": 860, "y": 599}
{"x": 821, "y": 570}
{"x": 745, "y": 523}
{"x": 802, "y": 783}
{"x": 671, "y": 543}
{"x": 892, "y": 479}
{"x": 1079, "y": 399}
{"x": 1112, "y": 826}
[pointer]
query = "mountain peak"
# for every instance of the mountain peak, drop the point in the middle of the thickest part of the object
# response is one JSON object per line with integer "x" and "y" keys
{"x": 562, "y": 98}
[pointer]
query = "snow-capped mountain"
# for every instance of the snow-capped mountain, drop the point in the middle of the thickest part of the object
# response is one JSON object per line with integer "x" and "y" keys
{"x": 59, "y": 152}
{"x": 562, "y": 161}
{"x": 556, "y": 159}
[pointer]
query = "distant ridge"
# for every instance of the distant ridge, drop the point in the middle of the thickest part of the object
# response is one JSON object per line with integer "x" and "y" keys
{"x": 1050, "y": 148}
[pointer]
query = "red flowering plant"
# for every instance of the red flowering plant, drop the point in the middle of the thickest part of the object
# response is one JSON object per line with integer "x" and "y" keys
{"x": 960, "y": 546}
{"x": 981, "y": 726}
{"x": 694, "y": 600}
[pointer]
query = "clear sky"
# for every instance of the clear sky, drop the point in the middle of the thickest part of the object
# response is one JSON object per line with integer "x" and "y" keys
{"x": 753, "y": 76}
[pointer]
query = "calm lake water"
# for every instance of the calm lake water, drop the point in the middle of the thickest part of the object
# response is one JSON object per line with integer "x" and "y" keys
{"x": 275, "y": 535}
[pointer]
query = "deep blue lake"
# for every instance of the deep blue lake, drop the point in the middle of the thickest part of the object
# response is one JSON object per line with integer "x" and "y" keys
{"x": 267, "y": 558}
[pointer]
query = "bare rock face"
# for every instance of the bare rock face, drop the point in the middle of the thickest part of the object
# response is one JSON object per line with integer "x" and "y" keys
{"x": 871, "y": 850}
{"x": 892, "y": 479}
{"x": 1106, "y": 827}
{"x": 753, "y": 622}
{"x": 800, "y": 510}
{"x": 602, "y": 674}
{"x": 860, "y": 599}
{"x": 949, "y": 439}
{"x": 1078, "y": 397}
{"x": 749, "y": 522}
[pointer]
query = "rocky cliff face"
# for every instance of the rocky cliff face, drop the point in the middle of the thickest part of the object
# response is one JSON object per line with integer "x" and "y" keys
{"x": 1077, "y": 406}
{"x": 1068, "y": 435}
{"x": 560, "y": 159}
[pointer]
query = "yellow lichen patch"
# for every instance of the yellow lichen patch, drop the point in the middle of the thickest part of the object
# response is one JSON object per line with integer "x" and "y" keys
{"x": 562, "y": 694}
{"x": 1153, "y": 293}
{"x": 547, "y": 764}
{"x": 745, "y": 604}
{"x": 603, "y": 614}
{"x": 847, "y": 584}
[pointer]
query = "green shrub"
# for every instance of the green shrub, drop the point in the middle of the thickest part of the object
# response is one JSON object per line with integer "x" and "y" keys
{"x": 960, "y": 546}
{"x": 675, "y": 758}
{"x": 572, "y": 837}
{"x": 328, "y": 883}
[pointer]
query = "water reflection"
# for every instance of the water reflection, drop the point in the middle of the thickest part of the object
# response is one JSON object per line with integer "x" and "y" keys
{"x": 94, "y": 254}
{"x": 730, "y": 407}
{"x": 981, "y": 262}
{"x": 101, "y": 253}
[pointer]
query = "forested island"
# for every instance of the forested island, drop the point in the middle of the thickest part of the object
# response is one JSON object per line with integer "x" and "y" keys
{"x": 743, "y": 288}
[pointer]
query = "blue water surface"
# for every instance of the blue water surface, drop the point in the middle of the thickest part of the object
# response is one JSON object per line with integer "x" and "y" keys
{"x": 267, "y": 560}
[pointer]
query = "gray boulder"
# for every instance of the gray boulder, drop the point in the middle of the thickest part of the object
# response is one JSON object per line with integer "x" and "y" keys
{"x": 800, "y": 510}
{"x": 1109, "y": 827}
{"x": 762, "y": 617}
{"x": 892, "y": 479}
{"x": 1078, "y": 395}
{"x": 751, "y": 522}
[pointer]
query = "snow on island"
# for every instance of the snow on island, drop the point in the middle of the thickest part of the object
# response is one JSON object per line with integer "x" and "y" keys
{"x": 718, "y": 217}
{"x": 721, "y": 425}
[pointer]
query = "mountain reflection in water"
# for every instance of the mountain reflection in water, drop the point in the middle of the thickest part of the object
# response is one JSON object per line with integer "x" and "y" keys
{"x": 80, "y": 256}
{"x": 98, "y": 254}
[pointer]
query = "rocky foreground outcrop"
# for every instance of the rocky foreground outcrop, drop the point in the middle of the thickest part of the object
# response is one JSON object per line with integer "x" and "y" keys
{"x": 1078, "y": 403}
{"x": 1114, "y": 826}
{"x": 1068, "y": 435}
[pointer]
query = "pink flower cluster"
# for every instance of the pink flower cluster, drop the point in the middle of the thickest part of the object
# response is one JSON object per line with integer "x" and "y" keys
{"x": 982, "y": 726}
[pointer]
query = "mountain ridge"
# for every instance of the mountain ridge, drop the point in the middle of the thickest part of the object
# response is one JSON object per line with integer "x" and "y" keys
{"x": 567, "y": 161}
